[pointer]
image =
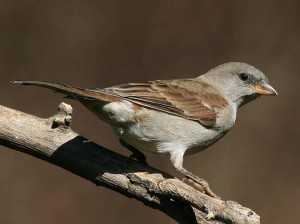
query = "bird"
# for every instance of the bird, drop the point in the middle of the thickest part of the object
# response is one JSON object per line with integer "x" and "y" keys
{"x": 175, "y": 117}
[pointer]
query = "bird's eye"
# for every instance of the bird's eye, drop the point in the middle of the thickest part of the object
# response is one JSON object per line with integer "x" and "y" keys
{"x": 244, "y": 76}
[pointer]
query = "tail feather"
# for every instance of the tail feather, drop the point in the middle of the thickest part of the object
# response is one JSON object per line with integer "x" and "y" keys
{"x": 71, "y": 91}
{"x": 60, "y": 88}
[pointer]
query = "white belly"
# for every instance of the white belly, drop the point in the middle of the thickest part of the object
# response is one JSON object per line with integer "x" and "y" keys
{"x": 153, "y": 131}
{"x": 162, "y": 133}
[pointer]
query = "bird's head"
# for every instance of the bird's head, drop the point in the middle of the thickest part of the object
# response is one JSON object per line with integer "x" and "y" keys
{"x": 239, "y": 82}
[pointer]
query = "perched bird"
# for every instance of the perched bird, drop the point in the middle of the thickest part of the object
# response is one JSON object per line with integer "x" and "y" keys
{"x": 175, "y": 117}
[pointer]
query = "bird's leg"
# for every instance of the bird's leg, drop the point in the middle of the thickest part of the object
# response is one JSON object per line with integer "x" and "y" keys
{"x": 177, "y": 162}
{"x": 136, "y": 154}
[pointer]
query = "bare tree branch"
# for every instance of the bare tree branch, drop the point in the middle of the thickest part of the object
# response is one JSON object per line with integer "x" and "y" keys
{"x": 53, "y": 140}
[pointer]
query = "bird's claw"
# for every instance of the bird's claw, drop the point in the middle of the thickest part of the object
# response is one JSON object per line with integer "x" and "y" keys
{"x": 139, "y": 157}
{"x": 201, "y": 185}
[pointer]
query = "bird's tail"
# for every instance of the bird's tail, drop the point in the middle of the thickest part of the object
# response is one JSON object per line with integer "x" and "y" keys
{"x": 71, "y": 91}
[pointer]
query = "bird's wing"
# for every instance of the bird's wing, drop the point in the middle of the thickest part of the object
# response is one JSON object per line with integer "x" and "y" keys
{"x": 191, "y": 99}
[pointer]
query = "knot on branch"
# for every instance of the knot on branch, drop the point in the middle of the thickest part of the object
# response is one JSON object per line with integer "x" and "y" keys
{"x": 63, "y": 116}
{"x": 246, "y": 213}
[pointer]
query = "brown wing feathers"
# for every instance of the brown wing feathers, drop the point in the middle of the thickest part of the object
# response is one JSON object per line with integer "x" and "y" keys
{"x": 186, "y": 98}
{"x": 190, "y": 99}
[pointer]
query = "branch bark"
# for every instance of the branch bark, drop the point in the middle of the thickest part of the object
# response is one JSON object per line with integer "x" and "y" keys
{"x": 54, "y": 141}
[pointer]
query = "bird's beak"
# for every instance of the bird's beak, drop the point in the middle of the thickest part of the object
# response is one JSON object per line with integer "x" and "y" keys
{"x": 264, "y": 89}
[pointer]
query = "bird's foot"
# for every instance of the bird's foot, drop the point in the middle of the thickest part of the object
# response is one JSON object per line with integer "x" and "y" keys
{"x": 136, "y": 154}
{"x": 139, "y": 157}
{"x": 197, "y": 182}
{"x": 200, "y": 185}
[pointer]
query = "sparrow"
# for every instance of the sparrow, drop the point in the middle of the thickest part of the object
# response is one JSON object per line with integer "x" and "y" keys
{"x": 174, "y": 117}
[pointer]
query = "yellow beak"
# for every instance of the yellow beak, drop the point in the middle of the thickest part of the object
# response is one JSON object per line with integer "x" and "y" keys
{"x": 264, "y": 89}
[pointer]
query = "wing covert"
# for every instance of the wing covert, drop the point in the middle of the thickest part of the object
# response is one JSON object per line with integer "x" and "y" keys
{"x": 188, "y": 98}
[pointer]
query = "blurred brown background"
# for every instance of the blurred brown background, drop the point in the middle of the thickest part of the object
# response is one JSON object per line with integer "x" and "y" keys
{"x": 104, "y": 43}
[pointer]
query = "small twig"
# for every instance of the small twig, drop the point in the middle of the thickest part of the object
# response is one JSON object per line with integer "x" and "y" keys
{"x": 53, "y": 140}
